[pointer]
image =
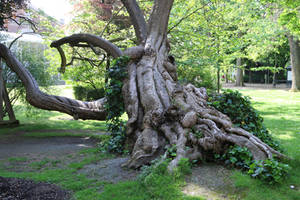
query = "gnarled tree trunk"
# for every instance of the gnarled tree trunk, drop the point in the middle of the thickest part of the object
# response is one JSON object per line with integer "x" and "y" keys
{"x": 161, "y": 112}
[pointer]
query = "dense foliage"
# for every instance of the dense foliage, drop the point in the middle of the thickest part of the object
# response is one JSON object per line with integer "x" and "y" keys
{"x": 87, "y": 93}
{"x": 207, "y": 38}
{"x": 243, "y": 115}
{"x": 115, "y": 105}
{"x": 8, "y": 9}
{"x": 32, "y": 55}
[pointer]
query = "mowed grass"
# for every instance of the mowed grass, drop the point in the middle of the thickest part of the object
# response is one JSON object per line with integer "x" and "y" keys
{"x": 281, "y": 112}
{"x": 41, "y": 123}
{"x": 35, "y": 119}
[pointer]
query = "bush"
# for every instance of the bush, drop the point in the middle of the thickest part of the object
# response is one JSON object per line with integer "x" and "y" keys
{"x": 239, "y": 109}
{"x": 200, "y": 76}
{"x": 243, "y": 115}
{"x": 236, "y": 156}
{"x": 88, "y": 94}
{"x": 269, "y": 170}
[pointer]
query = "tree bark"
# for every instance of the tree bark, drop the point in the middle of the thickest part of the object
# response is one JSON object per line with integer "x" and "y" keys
{"x": 137, "y": 19}
{"x": 1, "y": 92}
{"x": 239, "y": 73}
{"x": 295, "y": 61}
{"x": 161, "y": 112}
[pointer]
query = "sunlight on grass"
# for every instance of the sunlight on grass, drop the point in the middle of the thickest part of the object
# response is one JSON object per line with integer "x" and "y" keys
{"x": 281, "y": 112}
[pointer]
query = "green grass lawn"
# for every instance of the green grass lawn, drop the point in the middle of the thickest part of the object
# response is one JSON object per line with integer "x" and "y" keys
{"x": 40, "y": 123}
{"x": 281, "y": 112}
{"x": 35, "y": 119}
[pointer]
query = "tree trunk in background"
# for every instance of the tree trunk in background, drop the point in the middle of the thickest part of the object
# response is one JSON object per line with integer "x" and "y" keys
{"x": 226, "y": 76}
{"x": 295, "y": 61}
{"x": 239, "y": 73}
{"x": 218, "y": 81}
{"x": 5, "y": 101}
{"x": 274, "y": 80}
{"x": 1, "y": 93}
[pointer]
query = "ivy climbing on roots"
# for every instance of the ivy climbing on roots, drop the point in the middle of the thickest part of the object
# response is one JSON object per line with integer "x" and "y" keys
{"x": 115, "y": 104}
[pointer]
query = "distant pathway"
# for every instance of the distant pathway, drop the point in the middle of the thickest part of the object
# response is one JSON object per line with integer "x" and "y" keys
{"x": 257, "y": 86}
{"x": 23, "y": 146}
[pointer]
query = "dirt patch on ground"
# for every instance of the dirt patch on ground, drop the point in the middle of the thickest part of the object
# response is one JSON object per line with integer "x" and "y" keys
{"x": 27, "y": 154}
{"x": 23, "y": 154}
{"x": 19, "y": 133}
{"x": 110, "y": 170}
{"x": 24, "y": 147}
{"x": 20, "y": 189}
{"x": 210, "y": 181}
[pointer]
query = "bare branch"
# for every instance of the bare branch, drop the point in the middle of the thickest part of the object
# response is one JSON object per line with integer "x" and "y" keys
{"x": 63, "y": 59}
{"x": 185, "y": 17}
{"x": 90, "y": 40}
{"x": 16, "y": 39}
{"x": 25, "y": 19}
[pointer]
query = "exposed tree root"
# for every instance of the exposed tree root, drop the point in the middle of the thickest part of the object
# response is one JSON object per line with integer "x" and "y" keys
{"x": 161, "y": 112}
{"x": 177, "y": 124}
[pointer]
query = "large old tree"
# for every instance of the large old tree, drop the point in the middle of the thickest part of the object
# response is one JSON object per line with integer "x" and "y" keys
{"x": 161, "y": 112}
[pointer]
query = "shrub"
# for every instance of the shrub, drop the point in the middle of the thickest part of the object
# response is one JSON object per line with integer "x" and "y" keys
{"x": 85, "y": 93}
{"x": 236, "y": 156}
{"x": 242, "y": 114}
{"x": 269, "y": 170}
{"x": 239, "y": 109}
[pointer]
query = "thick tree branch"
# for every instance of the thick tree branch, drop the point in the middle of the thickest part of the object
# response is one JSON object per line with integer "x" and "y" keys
{"x": 160, "y": 16}
{"x": 78, "y": 109}
{"x": 91, "y": 40}
{"x": 158, "y": 24}
{"x": 137, "y": 19}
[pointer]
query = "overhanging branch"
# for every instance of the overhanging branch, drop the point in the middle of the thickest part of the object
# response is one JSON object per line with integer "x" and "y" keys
{"x": 91, "y": 41}
{"x": 78, "y": 109}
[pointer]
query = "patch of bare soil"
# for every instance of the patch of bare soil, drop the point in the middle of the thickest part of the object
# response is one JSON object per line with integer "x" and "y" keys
{"x": 210, "y": 181}
{"x": 110, "y": 170}
{"x": 19, "y": 146}
{"x": 21, "y": 189}
{"x": 24, "y": 154}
